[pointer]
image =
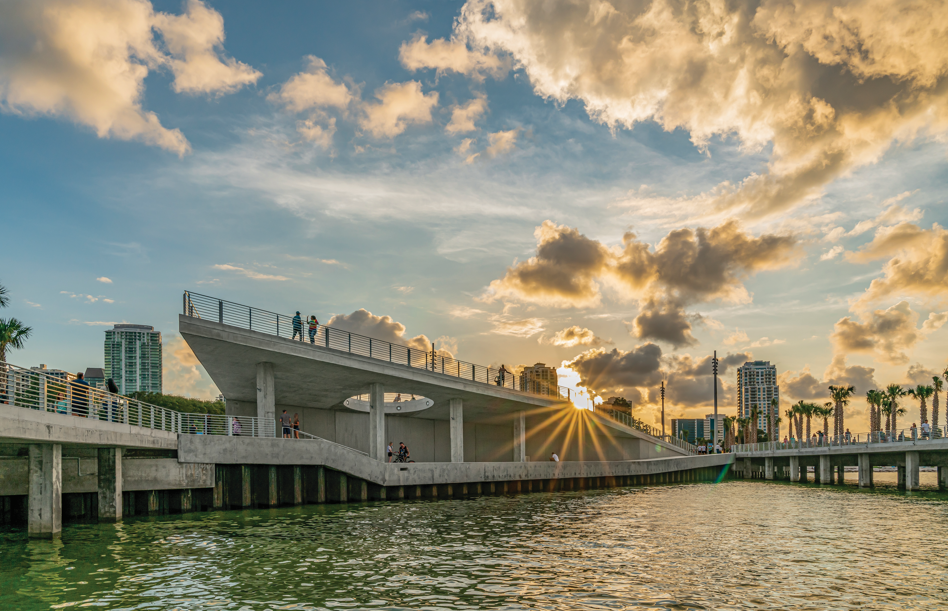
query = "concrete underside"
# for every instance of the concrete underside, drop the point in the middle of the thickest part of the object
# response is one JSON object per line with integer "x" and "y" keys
{"x": 34, "y": 426}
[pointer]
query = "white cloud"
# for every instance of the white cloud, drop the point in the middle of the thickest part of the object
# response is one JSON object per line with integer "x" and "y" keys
{"x": 766, "y": 341}
{"x": 31, "y": 304}
{"x": 738, "y": 337}
{"x": 463, "y": 117}
{"x": 317, "y": 134}
{"x": 832, "y": 253}
{"x": 313, "y": 88}
{"x": 399, "y": 104}
{"x": 404, "y": 290}
{"x": 104, "y": 280}
{"x": 465, "y": 145}
{"x": 86, "y": 61}
{"x": 500, "y": 143}
{"x": 517, "y": 328}
{"x": 183, "y": 373}
{"x": 249, "y": 273}
{"x": 465, "y": 312}
{"x": 450, "y": 56}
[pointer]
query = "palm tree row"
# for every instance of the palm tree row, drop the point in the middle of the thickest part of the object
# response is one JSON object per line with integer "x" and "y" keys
{"x": 13, "y": 333}
{"x": 887, "y": 403}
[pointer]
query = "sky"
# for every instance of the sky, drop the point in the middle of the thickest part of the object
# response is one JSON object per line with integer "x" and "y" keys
{"x": 618, "y": 188}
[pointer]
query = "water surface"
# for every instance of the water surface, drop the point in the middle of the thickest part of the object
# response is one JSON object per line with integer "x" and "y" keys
{"x": 737, "y": 545}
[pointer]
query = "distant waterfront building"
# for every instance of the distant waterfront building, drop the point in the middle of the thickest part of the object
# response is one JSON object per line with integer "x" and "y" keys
{"x": 690, "y": 429}
{"x": 95, "y": 376}
{"x": 718, "y": 428}
{"x": 133, "y": 358}
{"x": 52, "y": 373}
{"x": 540, "y": 379}
{"x": 757, "y": 385}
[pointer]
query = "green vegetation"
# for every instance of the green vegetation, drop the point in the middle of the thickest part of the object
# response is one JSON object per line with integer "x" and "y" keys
{"x": 180, "y": 404}
{"x": 13, "y": 333}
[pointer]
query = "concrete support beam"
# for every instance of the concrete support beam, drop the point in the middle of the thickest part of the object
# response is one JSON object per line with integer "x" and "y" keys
{"x": 769, "y": 468}
{"x": 457, "y": 429}
{"x": 45, "y": 500}
{"x": 826, "y": 471}
{"x": 865, "y": 471}
{"x": 358, "y": 490}
{"x": 377, "y": 422}
{"x": 911, "y": 470}
{"x": 266, "y": 396}
{"x": 794, "y": 468}
{"x": 110, "y": 484}
{"x": 520, "y": 437}
{"x": 748, "y": 465}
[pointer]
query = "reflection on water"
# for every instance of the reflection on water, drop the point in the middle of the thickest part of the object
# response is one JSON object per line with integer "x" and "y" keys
{"x": 735, "y": 545}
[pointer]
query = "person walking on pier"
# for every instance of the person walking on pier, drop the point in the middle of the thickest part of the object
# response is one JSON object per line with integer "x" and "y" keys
{"x": 501, "y": 374}
{"x": 297, "y": 326}
{"x": 914, "y": 430}
{"x": 926, "y": 429}
{"x": 236, "y": 427}
{"x": 287, "y": 425}
{"x": 313, "y": 328}
{"x": 80, "y": 396}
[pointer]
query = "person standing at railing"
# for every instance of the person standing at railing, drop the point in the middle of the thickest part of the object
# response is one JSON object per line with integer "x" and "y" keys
{"x": 296, "y": 426}
{"x": 236, "y": 427}
{"x": 297, "y": 326}
{"x": 313, "y": 328}
{"x": 849, "y": 436}
{"x": 926, "y": 429}
{"x": 62, "y": 406}
{"x": 501, "y": 375}
{"x": 287, "y": 425}
{"x": 80, "y": 396}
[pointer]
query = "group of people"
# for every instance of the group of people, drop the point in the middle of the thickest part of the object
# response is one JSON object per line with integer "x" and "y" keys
{"x": 818, "y": 438}
{"x": 311, "y": 322}
{"x": 401, "y": 455}
{"x": 291, "y": 426}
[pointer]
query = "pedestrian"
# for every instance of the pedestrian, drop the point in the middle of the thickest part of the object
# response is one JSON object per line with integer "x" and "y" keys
{"x": 403, "y": 452}
{"x": 236, "y": 427}
{"x": 914, "y": 432}
{"x": 398, "y": 398}
{"x": 296, "y": 426}
{"x": 297, "y": 326}
{"x": 80, "y": 396}
{"x": 849, "y": 436}
{"x": 62, "y": 406}
{"x": 501, "y": 375}
{"x": 820, "y": 435}
{"x": 390, "y": 444}
{"x": 313, "y": 327}
{"x": 926, "y": 429}
{"x": 554, "y": 457}
{"x": 287, "y": 425}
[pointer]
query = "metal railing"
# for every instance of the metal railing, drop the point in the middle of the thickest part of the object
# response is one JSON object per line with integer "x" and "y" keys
{"x": 631, "y": 422}
{"x": 226, "y": 312}
{"x": 62, "y": 393}
{"x": 908, "y": 436}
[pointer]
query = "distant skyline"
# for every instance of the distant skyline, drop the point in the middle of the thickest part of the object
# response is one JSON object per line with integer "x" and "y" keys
{"x": 616, "y": 188}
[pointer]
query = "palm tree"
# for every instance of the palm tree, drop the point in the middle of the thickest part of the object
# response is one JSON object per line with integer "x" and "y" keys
{"x": 754, "y": 419}
{"x": 840, "y": 395}
{"x": 922, "y": 393}
{"x": 799, "y": 409}
{"x": 773, "y": 412}
{"x": 13, "y": 333}
{"x": 936, "y": 388}
{"x": 4, "y": 300}
{"x": 894, "y": 392}
{"x": 825, "y": 411}
{"x": 729, "y": 431}
{"x": 874, "y": 399}
{"x": 885, "y": 407}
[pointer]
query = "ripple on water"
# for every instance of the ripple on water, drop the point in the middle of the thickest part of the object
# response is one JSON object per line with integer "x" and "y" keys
{"x": 729, "y": 546}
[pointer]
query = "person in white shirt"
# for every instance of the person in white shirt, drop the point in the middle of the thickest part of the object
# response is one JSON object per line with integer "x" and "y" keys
{"x": 554, "y": 457}
{"x": 926, "y": 429}
{"x": 390, "y": 450}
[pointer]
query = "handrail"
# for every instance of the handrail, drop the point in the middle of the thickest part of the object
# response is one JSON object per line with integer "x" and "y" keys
{"x": 61, "y": 393}
{"x": 907, "y": 436}
{"x": 242, "y": 316}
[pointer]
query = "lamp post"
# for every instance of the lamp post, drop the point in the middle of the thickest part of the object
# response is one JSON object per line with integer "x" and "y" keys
{"x": 663, "y": 409}
{"x": 714, "y": 421}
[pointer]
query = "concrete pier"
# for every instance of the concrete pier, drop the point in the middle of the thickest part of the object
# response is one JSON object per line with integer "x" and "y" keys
{"x": 110, "y": 484}
{"x": 456, "y": 421}
{"x": 825, "y": 470}
{"x": 768, "y": 468}
{"x": 266, "y": 393}
{"x": 46, "y": 489}
{"x": 520, "y": 437}
{"x": 865, "y": 471}
{"x": 911, "y": 471}
{"x": 377, "y": 422}
{"x": 794, "y": 468}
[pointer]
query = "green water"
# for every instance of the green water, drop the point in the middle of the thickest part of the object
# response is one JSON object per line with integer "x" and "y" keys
{"x": 735, "y": 545}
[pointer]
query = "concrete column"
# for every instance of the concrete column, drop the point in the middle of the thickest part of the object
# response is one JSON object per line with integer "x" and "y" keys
{"x": 45, "y": 501}
{"x": 865, "y": 471}
{"x": 377, "y": 422}
{"x": 911, "y": 470}
{"x": 520, "y": 437}
{"x": 840, "y": 475}
{"x": 826, "y": 470}
{"x": 942, "y": 478}
{"x": 457, "y": 430}
{"x": 900, "y": 476}
{"x": 768, "y": 468}
{"x": 320, "y": 484}
{"x": 794, "y": 468}
{"x": 110, "y": 484}
{"x": 266, "y": 398}
{"x": 748, "y": 465}
{"x": 343, "y": 488}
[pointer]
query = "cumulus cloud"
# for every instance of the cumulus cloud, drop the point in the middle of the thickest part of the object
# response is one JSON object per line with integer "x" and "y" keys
{"x": 738, "y": 337}
{"x": 917, "y": 265}
{"x": 86, "y": 61}
{"x": 832, "y": 253}
{"x": 312, "y": 88}
{"x": 248, "y": 272}
{"x": 829, "y": 88}
{"x": 182, "y": 373}
{"x": 104, "y": 280}
{"x": 450, "y": 56}
{"x": 803, "y": 385}
{"x": 526, "y": 327}
{"x": 320, "y": 135}
{"x": 608, "y": 372}
{"x": 575, "y": 336}
{"x": 363, "y": 322}
{"x": 686, "y": 267}
{"x": 399, "y": 104}
{"x": 886, "y": 334}
{"x": 501, "y": 142}
{"x": 464, "y": 116}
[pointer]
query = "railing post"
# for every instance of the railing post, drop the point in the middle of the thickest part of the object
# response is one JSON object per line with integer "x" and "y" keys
{"x": 350, "y": 342}
{"x": 230, "y": 427}
{"x": 184, "y": 303}
{"x": 409, "y": 357}
{"x": 390, "y": 353}
{"x": 220, "y": 311}
{"x": 250, "y": 318}
{"x": 278, "y": 325}
{"x": 152, "y": 422}
{"x": 206, "y": 425}
{"x": 370, "y": 347}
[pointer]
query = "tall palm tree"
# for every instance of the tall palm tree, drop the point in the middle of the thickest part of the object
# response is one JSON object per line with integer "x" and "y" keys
{"x": 894, "y": 392}
{"x": 840, "y": 395}
{"x": 13, "y": 333}
{"x": 773, "y": 412}
{"x": 799, "y": 409}
{"x": 885, "y": 408}
{"x": 729, "y": 431}
{"x": 4, "y": 300}
{"x": 936, "y": 388}
{"x": 754, "y": 420}
{"x": 922, "y": 393}
{"x": 825, "y": 411}
{"x": 874, "y": 399}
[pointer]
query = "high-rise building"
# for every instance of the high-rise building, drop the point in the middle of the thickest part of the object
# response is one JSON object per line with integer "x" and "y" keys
{"x": 133, "y": 358}
{"x": 540, "y": 379}
{"x": 689, "y": 429}
{"x": 95, "y": 377}
{"x": 718, "y": 427}
{"x": 757, "y": 386}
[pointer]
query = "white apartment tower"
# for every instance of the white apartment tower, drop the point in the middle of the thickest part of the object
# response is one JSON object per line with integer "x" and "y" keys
{"x": 540, "y": 379}
{"x": 757, "y": 385}
{"x": 133, "y": 358}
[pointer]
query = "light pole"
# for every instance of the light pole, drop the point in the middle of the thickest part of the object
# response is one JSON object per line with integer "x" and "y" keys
{"x": 663, "y": 409}
{"x": 714, "y": 422}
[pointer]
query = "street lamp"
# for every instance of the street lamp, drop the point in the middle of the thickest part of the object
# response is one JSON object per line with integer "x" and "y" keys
{"x": 663, "y": 409}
